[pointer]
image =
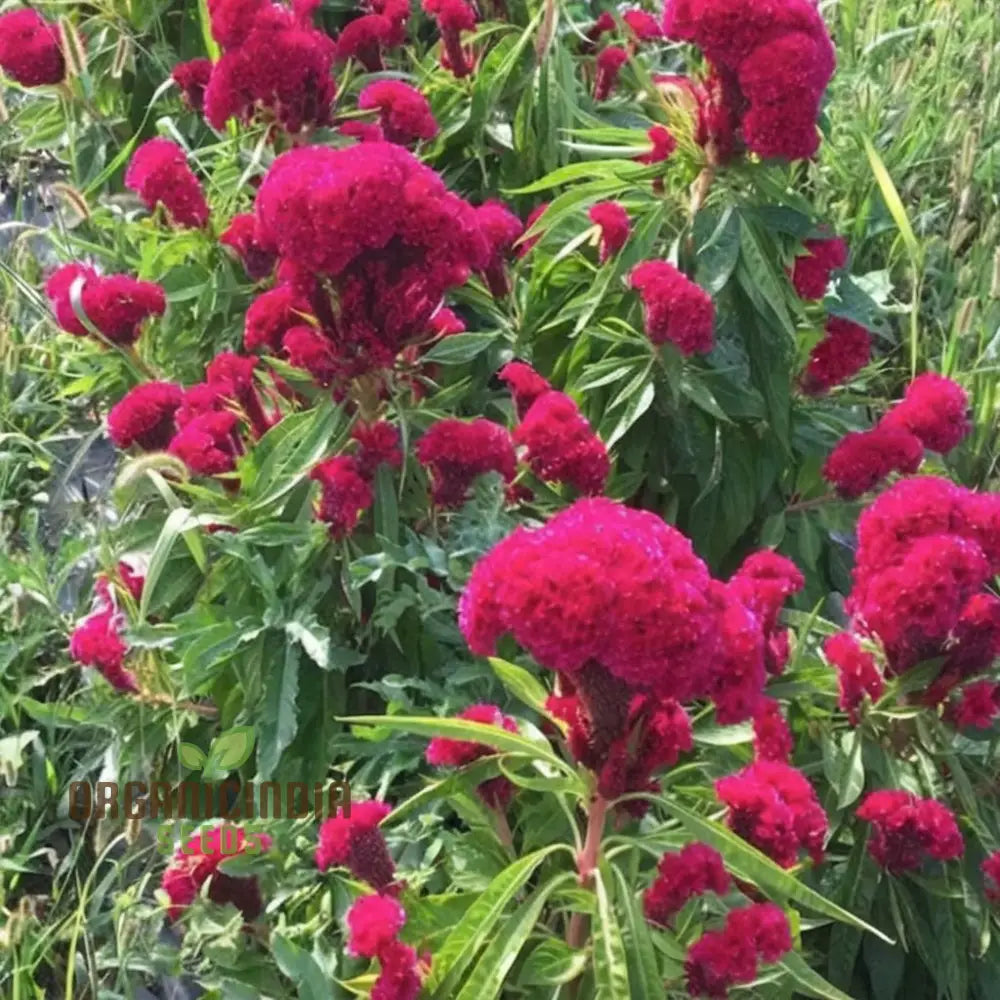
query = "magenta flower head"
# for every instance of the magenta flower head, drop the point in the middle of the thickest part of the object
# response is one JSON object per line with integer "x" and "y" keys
{"x": 145, "y": 416}
{"x": 907, "y": 830}
{"x": 863, "y": 460}
{"x": 935, "y": 409}
{"x": 160, "y": 175}
{"x": 677, "y": 310}
{"x": 613, "y": 221}
{"x": 344, "y": 493}
{"x": 840, "y": 355}
{"x": 404, "y": 114}
{"x": 373, "y": 922}
{"x": 457, "y": 452}
{"x": 812, "y": 270}
{"x": 192, "y": 78}
{"x": 31, "y": 49}
{"x": 682, "y": 876}
{"x": 355, "y": 842}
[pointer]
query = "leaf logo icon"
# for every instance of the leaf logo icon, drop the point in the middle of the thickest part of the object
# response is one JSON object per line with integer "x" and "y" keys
{"x": 229, "y": 750}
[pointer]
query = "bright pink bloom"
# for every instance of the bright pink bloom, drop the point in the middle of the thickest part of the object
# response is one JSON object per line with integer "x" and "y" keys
{"x": 664, "y": 145}
{"x": 861, "y": 461}
{"x": 677, "y": 310}
{"x": 605, "y": 22}
{"x": 399, "y": 978}
{"x": 97, "y": 641}
{"x": 524, "y": 383}
{"x": 772, "y": 739}
{"x": 642, "y": 25}
{"x": 445, "y": 752}
{"x": 452, "y": 17}
{"x": 935, "y": 409}
{"x": 158, "y": 172}
{"x": 446, "y": 323}
{"x": 306, "y": 348}
{"x": 271, "y": 315}
{"x": 763, "y": 583}
{"x": 681, "y": 876}
{"x": 908, "y": 829}
{"x": 208, "y": 444}
{"x": 812, "y": 270}
{"x": 364, "y": 39}
{"x": 613, "y": 221}
{"x": 457, "y": 452}
{"x": 857, "y": 673}
{"x": 978, "y": 706}
{"x": 241, "y": 236}
{"x": 373, "y": 922}
{"x": 501, "y": 229}
{"x": 991, "y": 877}
{"x": 609, "y": 64}
{"x": 145, "y": 416}
{"x": 404, "y": 114}
{"x": 233, "y": 20}
{"x": 344, "y": 493}
{"x": 840, "y": 355}
{"x": 378, "y": 444}
{"x": 30, "y": 49}
{"x": 354, "y": 841}
{"x": 198, "y": 861}
{"x": 192, "y": 78}
{"x": 132, "y": 580}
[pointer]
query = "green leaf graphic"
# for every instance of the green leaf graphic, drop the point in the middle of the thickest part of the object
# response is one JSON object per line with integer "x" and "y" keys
{"x": 232, "y": 748}
{"x": 191, "y": 756}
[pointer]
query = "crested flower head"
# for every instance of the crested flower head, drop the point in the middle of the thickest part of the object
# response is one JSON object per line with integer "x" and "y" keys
{"x": 906, "y": 830}
{"x": 158, "y": 172}
{"x": 31, "y": 49}
{"x": 145, "y": 416}
{"x": 352, "y": 839}
{"x": 677, "y": 310}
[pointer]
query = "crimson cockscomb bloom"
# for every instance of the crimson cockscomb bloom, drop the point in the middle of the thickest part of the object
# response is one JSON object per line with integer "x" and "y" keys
{"x": 457, "y": 452}
{"x": 501, "y": 229}
{"x": 612, "y": 219}
{"x": 158, "y": 172}
{"x": 862, "y": 460}
{"x": 271, "y": 315}
{"x": 561, "y": 446}
{"x": 233, "y": 20}
{"x": 524, "y": 383}
{"x": 404, "y": 114}
{"x": 97, "y": 641}
{"x": 241, "y": 236}
{"x": 344, "y": 493}
{"x": 605, "y": 22}
{"x": 841, "y": 354}
{"x": 857, "y": 673}
{"x": 373, "y": 922}
{"x": 31, "y": 49}
{"x": 233, "y": 374}
{"x": 378, "y": 443}
{"x": 978, "y": 705}
{"x": 446, "y": 323}
{"x": 192, "y": 78}
{"x": 664, "y": 145}
{"x": 145, "y": 416}
{"x": 677, "y": 310}
{"x": 772, "y": 739}
{"x": 681, "y": 876}
{"x": 198, "y": 860}
{"x": 400, "y": 976}
{"x": 811, "y": 271}
{"x": 609, "y": 64}
{"x": 306, "y": 348}
{"x": 354, "y": 841}
{"x": 907, "y": 830}
{"x": 991, "y": 877}
{"x": 208, "y": 444}
{"x": 642, "y": 26}
{"x": 526, "y": 244}
{"x": 133, "y": 578}
{"x": 935, "y": 409}
{"x": 452, "y": 18}
{"x": 364, "y": 39}
{"x": 116, "y": 304}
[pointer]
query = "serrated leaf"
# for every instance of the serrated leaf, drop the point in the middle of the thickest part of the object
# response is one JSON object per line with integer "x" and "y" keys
{"x": 279, "y": 719}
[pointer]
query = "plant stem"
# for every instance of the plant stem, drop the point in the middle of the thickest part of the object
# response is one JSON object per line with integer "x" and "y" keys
{"x": 801, "y": 505}
{"x": 586, "y": 863}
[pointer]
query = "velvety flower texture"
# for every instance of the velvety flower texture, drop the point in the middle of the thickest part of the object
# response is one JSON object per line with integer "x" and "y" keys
{"x": 934, "y": 409}
{"x": 97, "y": 641}
{"x": 772, "y": 739}
{"x": 344, "y": 493}
{"x": 728, "y": 957}
{"x": 609, "y": 64}
{"x": 681, "y": 876}
{"x": 614, "y": 224}
{"x": 373, "y": 922}
{"x": 158, "y": 172}
{"x": 812, "y": 270}
{"x": 241, "y": 236}
{"x": 773, "y": 806}
{"x": 457, "y": 452}
{"x": 501, "y": 229}
{"x": 524, "y": 383}
{"x": 399, "y": 977}
{"x": 907, "y": 830}
{"x": 30, "y": 49}
{"x": 677, "y": 310}
{"x": 192, "y": 78}
{"x": 208, "y": 444}
{"x": 841, "y": 354}
{"x": 857, "y": 672}
{"x": 664, "y": 145}
{"x": 452, "y": 17}
{"x": 191, "y": 867}
{"x": 991, "y": 877}
{"x": 145, "y": 416}
{"x": 378, "y": 443}
{"x": 860, "y": 461}
{"x": 978, "y": 705}
{"x": 561, "y": 446}
{"x": 116, "y": 304}
{"x": 364, "y": 39}
{"x": 404, "y": 114}
{"x": 354, "y": 841}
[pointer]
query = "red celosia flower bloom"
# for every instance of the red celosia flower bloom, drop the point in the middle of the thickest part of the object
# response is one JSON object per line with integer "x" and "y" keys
{"x": 457, "y": 452}
{"x": 271, "y": 315}
{"x": 978, "y": 706}
{"x": 772, "y": 739}
{"x": 373, "y": 922}
{"x": 991, "y": 877}
{"x": 233, "y": 375}
{"x": 364, "y": 38}
{"x": 241, "y": 236}
{"x": 344, "y": 493}
{"x": 202, "y": 398}
{"x": 452, "y": 17}
{"x": 681, "y": 876}
{"x": 132, "y": 579}
{"x": 30, "y": 49}
{"x": 145, "y": 416}
{"x": 742, "y": 671}
{"x": 857, "y": 672}
{"x": 605, "y": 22}
{"x": 115, "y": 304}
{"x": 501, "y": 229}
{"x": 764, "y": 581}
{"x": 192, "y": 866}
{"x": 97, "y": 641}
{"x": 446, "y": 323}
{"x": 862, "y": 460}
{"x": 677, "y": 309}
{"x": 307, "y": 348}
{"x": 362, "y": 131}
{"x": 524, "y": 383}
{"x": 663, "y": 142}
{"x": 404, "y": 114}
{"x": 613, "y": 220}
{"x": 397, "y": 11}
{"x": 526, "y": 244}
{"x": 840, "y": 355}
{"x": 208, "y": 444}
{"x": 561, "y": 446}
{"x": 399, "y": 978}
{"x": 774, "y": 807}
{"x": 159, "y": 174}
{"x": 355, "y": 842}
{"x": 233, "y": 20}
{"x": 642, "y": 25}
{"x": 812, "y": 270}
{"x": 445, "y": 752}
{"x": 975, "y": 639}
{"x": 935, "y": 409}
{"x": 728, "y": 957}
{"x": 192, "y": 78}
{"x": 908, "y": 829}
{"x": 378, "y": 443}
{"x": 609, "y": 64}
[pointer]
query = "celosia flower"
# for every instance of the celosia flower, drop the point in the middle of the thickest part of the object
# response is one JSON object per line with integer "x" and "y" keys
{"x": 773, "y": 807}
{"x": 681, "y": 876}
{"x": 241, "y": 236}
{"x": 641, "y": 25}
{"x": 908, "y": 829}
{"x": 772, "y": 739}
{"x": 561, "y": 446}
{"x": 974, "y": 642}
{"x": 208, "y": 444}
{"x": 612, "y": 219}
{"x": 609, "y": 64}
{"x": 861, "y": 460}
{"x": 31, "y": 49}
{"x": 526, "y": 244}
{"x": 115, "y": 304}
{"x": 991, "y": 877}
{"x": 840, "y": 355}
{"x": 404, "y": 114}
{"x": 354, "y": 841}
{"x": 935, "y": 409}
{"x": 446, "y": 323}
{"x": 159, "y": 174}
{"x": 457, "y": 452}
{"x": 501, "y": 229}
{"x": 398, "y": 13}
{"x": 133, "y": 580}
{"x": 362, "y": 131}
{"x": 306, "y": 348}
{"x": 198, "y": 861}
{"x": 738, "y": 681}
{"x": 452, "y": 18}
{"x": 344, "y": 493}
{"x": 378, "y": 443}
{"x": 664, "y": 145}
{"x": 763, "y": 583}
{"x": 605, "y": 22}
{"x": 676, "y": 308}
{"x": 192, "y": 78}
{"x": 399, "y": 978}
{"x": 812, "y": 270}
{"x": 524, "y": 383}
{"x": 857, "y": 673}
{"x": 233, "y": 375}
{"x": 145, "y": 416}
{"x": 271, "y": 315}
{"x": 373, "y": 922}
{"x": 97, "y": 641}
{"x": 978, "y": 706}
{"x": 364, "y": 38}
{"x": 232, "y": 20}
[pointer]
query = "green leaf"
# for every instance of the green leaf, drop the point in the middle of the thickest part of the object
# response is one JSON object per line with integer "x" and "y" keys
{"x": 190, "y": 756}
{"x": 177, "y": 522}
{"x": 279, "y": 720}
{"x": 719, "y": 250}
{"x": 460, "y": 348}
{"x": 643, "y": 969}
{"x": 312, "y": 637}
{"x": 300, "y": 967}
{"x": 520, "y": 683}
{"x": 610, "y": 966}
{"x": 232, "y": 748}
{"x": 809, "y": 982}
{"x": 552, "y": 963}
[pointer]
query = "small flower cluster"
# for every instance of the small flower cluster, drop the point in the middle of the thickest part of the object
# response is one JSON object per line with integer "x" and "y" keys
{"x": 366, "y": 37}
{"x": 991, "y": 877}
{"x": 159, "y": 173}
{"x": 31, "y": 49}
{"x": 612, "y": 220}
{"x": 373, "y": 925}
{"x": 677, "y": 310}
{"x": 908, "y": 829}
{"x": 457, "y": 452}
{"x": 452, "y": 18}
{"x": 811, "y": 271}
{"x": 404, "y": 115}
{"x": 682, "y": 876}
{"x": 97, "y": 641}
{"x": 857, "y": 671}
{"x": 844, "y": 350}
{"x": 609, "y": 63}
